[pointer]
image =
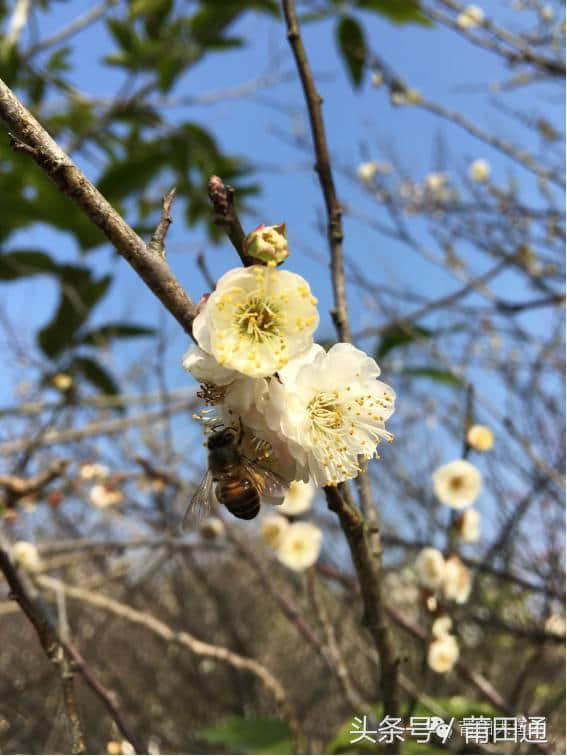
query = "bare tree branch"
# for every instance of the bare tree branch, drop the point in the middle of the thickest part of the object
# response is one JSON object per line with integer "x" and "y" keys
{"x": 30, "y": 138}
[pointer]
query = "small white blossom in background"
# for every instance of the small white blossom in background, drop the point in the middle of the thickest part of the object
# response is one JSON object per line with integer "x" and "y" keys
{"x": 212, "y": 528}
{"x": 257, "y": 320}
{"x": 480, "y": 438}
{"x": 330, "y": 408}
{"x": 430, "y": 566}
{"x": 267, "y": 243}
{"x": 377, "y": 79}
{"x": 434, "y": 182}
{"x": 300, "y": 546}
{"x": 457, "y": 484}
{"x": 547, "y": 13}
{"x": 479, "y": 171}
{"x": 102, "y": 496}
{"x": 62, "y": 381}
{"x": 457, "y": 580}
{"x": 468, "y": 526}
{"x": 94, "y": 471}
{"x": 555, "y": 624}
{"x": 441, "y": 626}
{"x": 298, "y": 498}
{"x": 470, "y": 17}
{"x": 405, "y": 97}
{"x": 26, "y": 556}
{"x": 443, "y": 653}
{"x": 272, "y": 530}
{"x": 367, "y": 171}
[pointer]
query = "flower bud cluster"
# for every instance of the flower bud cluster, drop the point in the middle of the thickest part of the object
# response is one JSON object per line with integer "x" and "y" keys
{"x": 448, "y": 578}
{"x": 443, "y": 650}
{"x": 313, "y": 413}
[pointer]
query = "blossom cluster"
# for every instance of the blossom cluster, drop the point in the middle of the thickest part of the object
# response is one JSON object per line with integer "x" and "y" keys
{"x": 314, "y": 414}
{"x": 450, "y": 580}
{"x": 296, "y": 544}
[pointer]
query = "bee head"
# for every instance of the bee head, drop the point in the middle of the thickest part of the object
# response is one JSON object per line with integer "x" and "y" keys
{"x": 225, "y": 437}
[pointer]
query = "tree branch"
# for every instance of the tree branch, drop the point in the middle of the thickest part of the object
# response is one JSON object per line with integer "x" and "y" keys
{"x": 29, "y": 137}
{"x": 323, "y": 168}
{"x": 225, "y": 216}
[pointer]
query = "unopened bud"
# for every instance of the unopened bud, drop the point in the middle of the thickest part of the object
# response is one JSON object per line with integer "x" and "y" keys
{"x": 267, "y": 243}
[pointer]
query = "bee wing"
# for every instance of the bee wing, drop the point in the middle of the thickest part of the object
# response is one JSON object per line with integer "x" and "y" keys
{"x": 201, "y": 501}
{"x": 269, "y": 482}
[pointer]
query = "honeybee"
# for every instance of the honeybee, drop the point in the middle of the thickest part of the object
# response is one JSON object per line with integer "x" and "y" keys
{"x": 233, "y": 479}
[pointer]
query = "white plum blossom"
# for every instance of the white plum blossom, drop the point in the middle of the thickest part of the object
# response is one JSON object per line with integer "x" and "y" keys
{"x": 441, "y": 626}
{"x": 430, "y": 566}
{"x": 435, "y": 182}
{"x": 257, "y": 319}
{"x": 457, "y": 580}
{"x": 457, "y": 484}
{"x": 367, "y": 171}
{"x": 62, "y": 381}
{"x": 300, "y": 546}
{"x": 555, "y": 624}
{"x": 468, "y": 526}
{"x": 330, "y": 408}
{"x": 205, "y": 369}
{"x": 211, "y": 528}
{"x": 479, "y": 171}
{"x": 480, "y": 438}
{"x": 94, "y": 471}
{"x": 443, "y": 653}
{"x": 272, "y": 529}
{"x": 470, "y": 17}
{"x": 102, "y": 496}
{"x": 298, "y": 498}
{"x": 25, "y": 555}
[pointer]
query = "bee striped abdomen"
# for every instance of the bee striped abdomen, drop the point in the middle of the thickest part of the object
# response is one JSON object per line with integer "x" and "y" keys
{"x": 239, "y": 496}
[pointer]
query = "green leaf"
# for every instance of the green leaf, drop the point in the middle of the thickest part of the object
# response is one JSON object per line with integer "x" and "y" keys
{"x": 95, "y": 374}
{"x": 79, "y": 293}
{"x": 352, "y": 46}
{"x": 401, "y": 334}
{"x": 441, "y": 376}
{"x": 398, "y": 11}
{"x": 23, "y": 262}
{"x": 123, "y": 33}
{"x": 257, "y": 735}
{"x": 102, "y": 336}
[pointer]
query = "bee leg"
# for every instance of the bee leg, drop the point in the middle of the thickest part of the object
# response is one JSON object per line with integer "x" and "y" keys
{"x": 241, "y": 436}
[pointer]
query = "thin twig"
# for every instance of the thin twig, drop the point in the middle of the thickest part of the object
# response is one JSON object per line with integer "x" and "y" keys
{"x": 68, "y": 681}
{"x": 17, "y": 487}
{"x": 368, "y": 572}
{"x": 225, "y": 216}
{"x": 76, "y": 25}
{"x": 156, "y": 243}
{"x": 323, "y": 167}
{"x": 97, "y": 429}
